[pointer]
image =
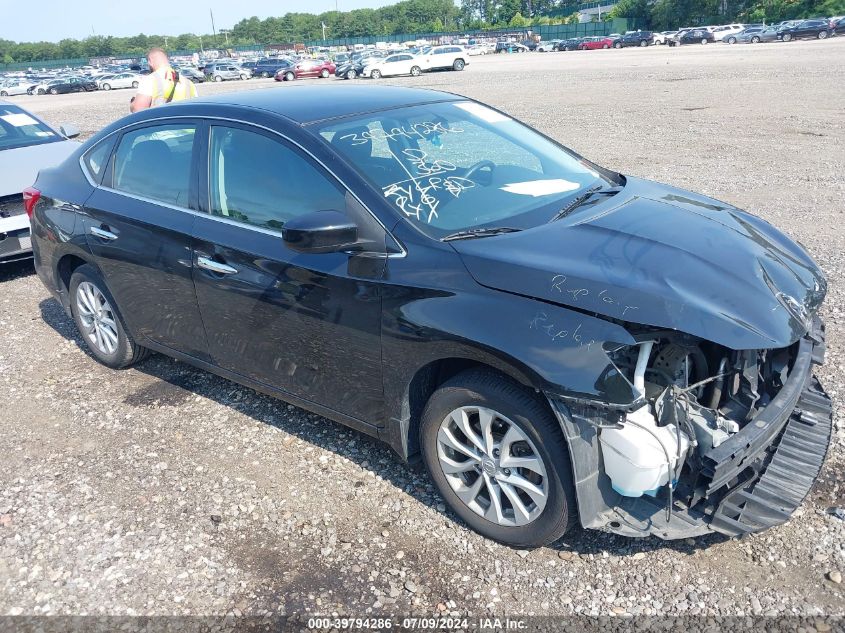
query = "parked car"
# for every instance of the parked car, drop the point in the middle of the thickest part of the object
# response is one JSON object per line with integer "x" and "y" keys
{"x": 510, "y": 47}
{"x": 307, "y": 68}
{"x": 64, "y": 86}
{"x": 755, "y": 35}
{"x": 571, "y": 44}
{"x": 12, "y": 87}
{"x": 356, "y": 63}
{"x": 224, "y": 71}
{"x": 692, "y": 36}
{"x": 636, "y": 38}
{"x": 192, "y": 73}
{"x": 839, "y": 26}
{"x": 593, "y": 43}
{"x": 270, "y": 66}
{"x": 27, "y": 144}
{"x": 121, "y": 80}
{"x": 661, "y": 36}
{"x": 548, "y": 46}
{"x": 458, "y": 313}
{"x": 401, "y": 64}
{"x": 808, "y": 29}
{"x": 720, "y": 33}
{"x": 445, "y": 58}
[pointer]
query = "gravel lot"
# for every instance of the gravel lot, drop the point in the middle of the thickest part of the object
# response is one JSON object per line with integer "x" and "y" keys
{"x": 165, "y": 490}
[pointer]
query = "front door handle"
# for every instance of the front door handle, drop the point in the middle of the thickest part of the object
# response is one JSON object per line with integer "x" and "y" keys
{"x": 103, "y": 234}
{"x": 215, "y": 267}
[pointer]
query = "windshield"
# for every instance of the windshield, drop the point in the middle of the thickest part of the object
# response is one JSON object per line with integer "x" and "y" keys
{"x": 19, "y": 129}
{"x": 453, "y": 166}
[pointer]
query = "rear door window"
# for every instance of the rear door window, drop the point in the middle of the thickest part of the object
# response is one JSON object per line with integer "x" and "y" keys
{"x": 155, "y": 163}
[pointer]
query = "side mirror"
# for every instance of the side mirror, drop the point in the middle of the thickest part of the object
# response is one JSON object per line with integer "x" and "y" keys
{"x": 70, "y": 131}
{"x": 320, "y": 232}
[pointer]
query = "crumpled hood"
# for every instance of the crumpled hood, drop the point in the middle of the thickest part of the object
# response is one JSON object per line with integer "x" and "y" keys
{"x": 19, "y": 167}
{"x": 661, "y": 256}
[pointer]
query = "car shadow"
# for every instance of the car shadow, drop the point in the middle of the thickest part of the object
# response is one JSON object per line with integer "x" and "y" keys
{"x": 16, "y": 270}
{"x": 180, "y": 382}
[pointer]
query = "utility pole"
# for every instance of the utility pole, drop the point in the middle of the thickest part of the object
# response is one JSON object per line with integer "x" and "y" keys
{"x": 323, "y": 24}
{"x": 213, "y": 29}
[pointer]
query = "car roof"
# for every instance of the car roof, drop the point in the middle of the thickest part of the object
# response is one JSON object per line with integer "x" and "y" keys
{"x": 309, "y": 103}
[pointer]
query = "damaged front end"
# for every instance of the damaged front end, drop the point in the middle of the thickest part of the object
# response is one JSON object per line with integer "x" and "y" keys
{"x": 714, "y": 439}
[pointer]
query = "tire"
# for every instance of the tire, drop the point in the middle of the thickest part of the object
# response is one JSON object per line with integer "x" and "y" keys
{"x": 822, "y": 35}
{"x": 643, "y": 43}
{"x": 416, "y": 71}
{"x": 376, "y": 74}
{"x": 787, "y": 37}
{"x": 617, "y": 45}
{"x": 106, "y": 86}
{"x": 53, "y": 91}
{"x": 540, "y": 436}
{"x": 244, "y": 77}
{"x": 126, "y": 351}
{"x": 351, "y": 74}
{"x": 755, "y": 40}
{"x": 134, "y": 84}
{"x": 3, "y": 93}
{"x": 324, "y": 73}
{"x": 703, "y": 41}
{"x": 218, "y": 78}
{"x": 40, "y": 91}
{"x": 265, "y": 74}
{"x": 458, "y": 65}
{"x": 605, "y": 46}
{"x": 289, "y": 76}
{"x": 731, "y": 40}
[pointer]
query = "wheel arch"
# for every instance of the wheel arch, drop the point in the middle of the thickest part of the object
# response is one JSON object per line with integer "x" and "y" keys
{"x": 63, "y": 271}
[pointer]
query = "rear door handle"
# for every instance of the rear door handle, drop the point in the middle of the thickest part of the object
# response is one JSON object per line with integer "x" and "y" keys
{"x": 216, "y": 267}
{"x": 103, "y": 234}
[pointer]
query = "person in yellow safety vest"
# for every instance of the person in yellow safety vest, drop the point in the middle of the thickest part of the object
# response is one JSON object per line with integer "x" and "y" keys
{"x": 162, "y": 85}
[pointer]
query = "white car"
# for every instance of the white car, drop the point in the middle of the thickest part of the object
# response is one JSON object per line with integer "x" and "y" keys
{"x": 444, "y": 57}
{"x": 121, "y": 80}
{"x": 12, "y": 87}
{"x": 399, "y": 64}
{"x": 547, "y": 47}
{"x": 721, "y": 32}
{"x": 27, "y": 145}
{"x": 660, "y": 37}
{"x": 472, "y": 51}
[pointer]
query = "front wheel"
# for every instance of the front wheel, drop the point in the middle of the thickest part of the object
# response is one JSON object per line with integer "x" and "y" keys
{"x": 324, "y": 73}
{"x": 53, "y": 91}
{"x": 351, "y": 74}
{"x": 787, "y": 37}
{"x": 703, "y": 41}
{"x": 499, "y": 459}
{"x": 98, "y": 320}
{"x": 40, "y": 91}
{"x": 244, "y": 77}
{"x": 265, "y": 74}
{"x": 375, "y": 74}
{"x": 458, "y": 65}
{"x": 731, "y": 40}
{"x": 755, "y": 40}
{"x": 134, "y": 84}
{"x": 416, "y": 71}
{"x": 218, "y": 78}
{"x": 617, "y": 45}
{"x": 822, "y": 35}
{"x": 643, "y": 43}
{"x": 289, "y": 76}
{"x": 605, "y": 46}
{"x": 3, "y": 93}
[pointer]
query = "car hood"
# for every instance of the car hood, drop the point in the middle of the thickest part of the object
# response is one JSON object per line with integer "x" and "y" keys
{"x": 19, "y": 167}
{"x": 665, "y": 257}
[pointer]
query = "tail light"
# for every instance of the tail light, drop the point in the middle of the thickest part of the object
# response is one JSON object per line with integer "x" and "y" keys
{"x": 31, "y": 196}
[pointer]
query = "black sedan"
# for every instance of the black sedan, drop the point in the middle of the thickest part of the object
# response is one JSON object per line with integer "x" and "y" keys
{"x": 692, "y": 36}
{"x": 808, "y": 29}
{"x": 635, "y": 38}
{"x": 556, "y": 341}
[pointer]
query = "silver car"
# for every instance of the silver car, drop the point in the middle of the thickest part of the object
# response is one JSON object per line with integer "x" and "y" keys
{"x": 27, "y": 145}
{"x": 225, "y": 72}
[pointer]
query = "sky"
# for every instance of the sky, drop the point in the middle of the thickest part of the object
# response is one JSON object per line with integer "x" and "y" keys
{"x": 52, "y": 20}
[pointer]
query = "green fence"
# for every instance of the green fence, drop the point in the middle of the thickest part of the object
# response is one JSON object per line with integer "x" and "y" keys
{"x": 52, "y": 63}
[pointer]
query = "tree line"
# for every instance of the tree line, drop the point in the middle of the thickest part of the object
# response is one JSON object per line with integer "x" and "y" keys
{"x": 422, "y": 16}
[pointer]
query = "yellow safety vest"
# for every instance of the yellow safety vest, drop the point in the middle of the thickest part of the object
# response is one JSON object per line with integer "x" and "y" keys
{"x": 163, "y": 86}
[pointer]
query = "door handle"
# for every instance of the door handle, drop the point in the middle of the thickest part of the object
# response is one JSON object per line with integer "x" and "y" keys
{"x": 215, "y": 267}
{"x": 103, "y": 234}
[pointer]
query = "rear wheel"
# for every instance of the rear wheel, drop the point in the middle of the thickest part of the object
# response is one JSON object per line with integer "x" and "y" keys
{"x": 731, "y": 40}
{"x": 499, "y": 459}
{"x": 53, "y": 91}
{"x": 375, "y": 74}
{"x": 458, "y": 65}
{"x": 822, "y": 35}
{"x": 617, "y": 45}
{"x": 218, "y": 78}
{"x": 643, "y": 43}
{"x": 416, "y": 71}
{"x": 755, "y": 40}
{"x": 289, "y": 76}
{"x": 787, "y": 37}
{"x": 703, "y": 41}
{"x": 98, "y": 320}
{"x": 324, "y": 73}
{"x": 3, "y": 93}
{"x": 134, "y": 84}
{"x": 605, "y": 46}
{"x": 265, "y": 74}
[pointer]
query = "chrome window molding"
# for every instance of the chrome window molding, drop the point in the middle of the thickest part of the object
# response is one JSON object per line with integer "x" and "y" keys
{"x": 403, "y": 252}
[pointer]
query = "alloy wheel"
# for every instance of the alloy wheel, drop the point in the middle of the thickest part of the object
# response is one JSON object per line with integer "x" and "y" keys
{"x": 492, "y": 466}
{"x": 97, "y": 318}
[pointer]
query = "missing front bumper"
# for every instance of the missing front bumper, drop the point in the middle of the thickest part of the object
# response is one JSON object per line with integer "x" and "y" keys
{"x": 755, "y": 481}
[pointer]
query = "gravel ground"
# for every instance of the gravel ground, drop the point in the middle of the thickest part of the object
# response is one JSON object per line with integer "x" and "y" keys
{"x": 165, "y": 490}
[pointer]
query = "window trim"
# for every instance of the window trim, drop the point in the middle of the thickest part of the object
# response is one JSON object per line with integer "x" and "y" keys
{"x": 208, "y": 120}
